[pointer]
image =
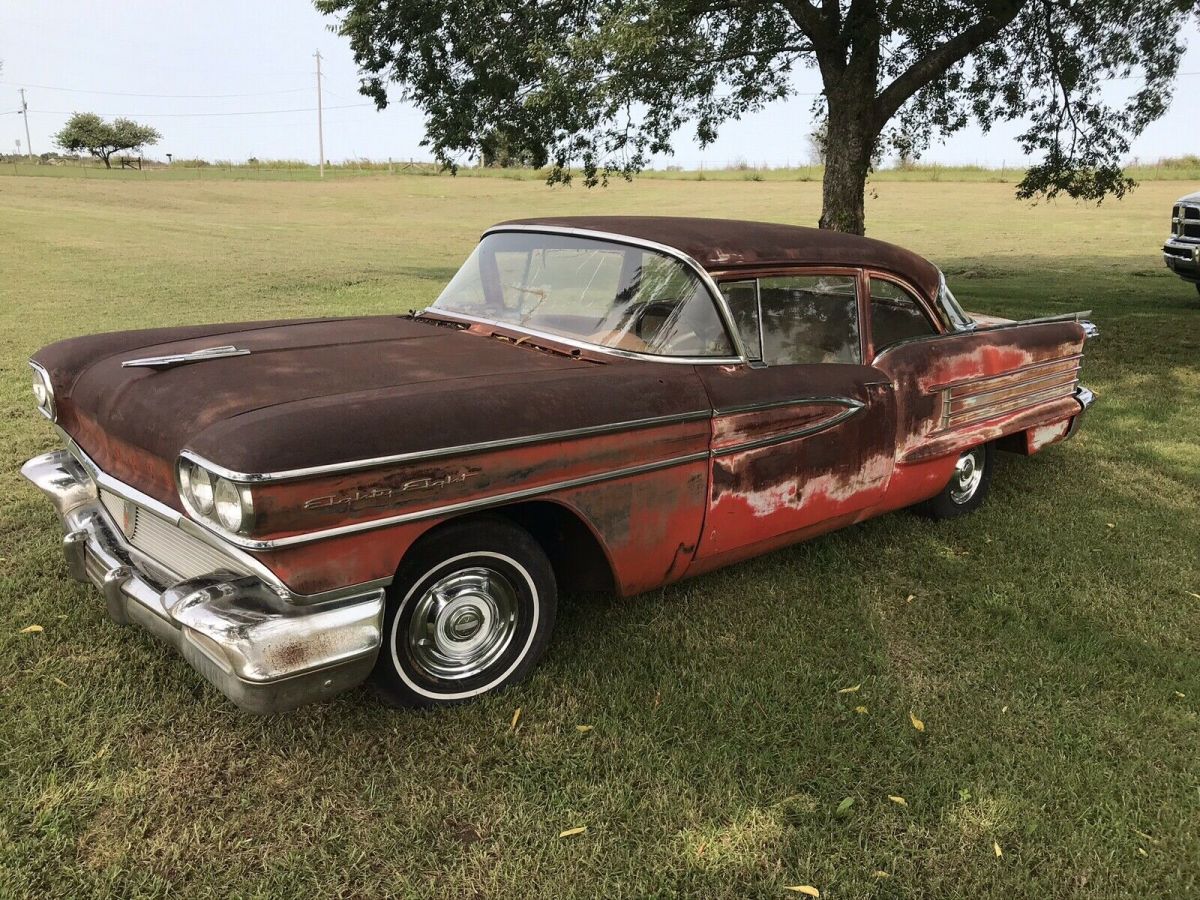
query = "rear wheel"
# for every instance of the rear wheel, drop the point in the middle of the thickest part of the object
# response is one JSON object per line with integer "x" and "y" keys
{"x": 470, "y": 612}
{"x": 968, "y": 486}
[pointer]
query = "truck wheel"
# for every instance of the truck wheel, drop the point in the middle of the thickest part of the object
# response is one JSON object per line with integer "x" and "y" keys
{"x": 968, "y": 486}
{"x": 470, "y": 612}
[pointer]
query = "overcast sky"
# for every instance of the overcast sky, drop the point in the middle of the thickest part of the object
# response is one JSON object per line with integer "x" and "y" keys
{"x": 231, "y": 80}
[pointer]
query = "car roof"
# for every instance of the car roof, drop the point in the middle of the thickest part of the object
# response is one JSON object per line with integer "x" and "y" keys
{"x": 722, "y": 244}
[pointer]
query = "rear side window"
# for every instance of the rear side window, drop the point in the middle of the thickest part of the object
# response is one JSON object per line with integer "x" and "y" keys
{"x": 792, "y": 319}
{"x": 896, "y": 315}
{"x": 809, "y": 319}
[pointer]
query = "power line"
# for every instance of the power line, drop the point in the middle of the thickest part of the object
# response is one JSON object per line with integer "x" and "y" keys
{"x": 254, "y": 112}
{"x": 45, "y": 87}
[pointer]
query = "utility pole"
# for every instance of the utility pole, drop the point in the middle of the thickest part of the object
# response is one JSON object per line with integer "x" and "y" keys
{"x": 25, "y": 114}
{"x": 320, "y": 122}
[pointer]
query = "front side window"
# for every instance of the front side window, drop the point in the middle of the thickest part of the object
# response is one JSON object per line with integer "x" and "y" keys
{"x": 590, "y": 290}
{"x": 742, "y": 299}
{"x": 896, "y": 315}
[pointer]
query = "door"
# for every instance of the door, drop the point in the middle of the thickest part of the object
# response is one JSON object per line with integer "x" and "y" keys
{"x": 803, "y": 437}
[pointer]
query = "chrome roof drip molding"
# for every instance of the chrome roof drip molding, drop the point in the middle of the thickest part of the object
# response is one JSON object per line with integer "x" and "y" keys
{"x": 181, "y": 359}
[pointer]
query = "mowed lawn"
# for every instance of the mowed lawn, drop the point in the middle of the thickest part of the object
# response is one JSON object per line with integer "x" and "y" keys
{"x": 749, "y": 730}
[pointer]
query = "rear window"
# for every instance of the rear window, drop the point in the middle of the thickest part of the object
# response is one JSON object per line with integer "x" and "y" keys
{"x": 896, "y": 315}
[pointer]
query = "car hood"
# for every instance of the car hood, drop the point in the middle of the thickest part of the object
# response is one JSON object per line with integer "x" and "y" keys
{"x": 306, "y": 366}
{"x": 1190, "y": 198}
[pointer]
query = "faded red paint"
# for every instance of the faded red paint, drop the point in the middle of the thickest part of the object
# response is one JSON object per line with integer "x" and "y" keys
{"x": 767, "y": 456}
{"x": 310, "y": 504}
{"x": 1045, "y": 435}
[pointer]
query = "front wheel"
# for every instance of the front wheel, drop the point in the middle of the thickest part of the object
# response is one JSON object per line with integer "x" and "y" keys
{"x": 968, "y": 485}
{"x": 470, "y": 612}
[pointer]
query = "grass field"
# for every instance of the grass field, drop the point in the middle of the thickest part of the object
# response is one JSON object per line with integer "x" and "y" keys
{"x": 1174, "y": 169}
{"x": 1050, "y": 644}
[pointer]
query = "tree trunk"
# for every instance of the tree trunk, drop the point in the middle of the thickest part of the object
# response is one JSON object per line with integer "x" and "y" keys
{"x": 849, "y": 145}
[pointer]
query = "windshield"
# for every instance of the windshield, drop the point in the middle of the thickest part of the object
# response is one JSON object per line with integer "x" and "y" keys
{"x": 948, "y": 308}
{"x": 590, "y": 290}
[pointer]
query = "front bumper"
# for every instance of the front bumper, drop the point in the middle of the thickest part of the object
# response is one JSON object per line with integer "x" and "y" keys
{"x": 1183, "y": 258}
{"x": 264, "y": 652}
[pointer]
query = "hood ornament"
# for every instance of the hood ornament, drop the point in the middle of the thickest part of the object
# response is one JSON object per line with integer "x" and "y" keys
{"x": 180, "y": 359}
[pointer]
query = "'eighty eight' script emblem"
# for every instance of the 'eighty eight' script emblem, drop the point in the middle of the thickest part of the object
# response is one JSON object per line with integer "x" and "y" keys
{"x": 382, "y": 496}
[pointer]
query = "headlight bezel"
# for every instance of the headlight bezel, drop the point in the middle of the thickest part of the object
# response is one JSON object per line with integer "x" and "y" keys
{"x": 41, "y": 378}
{"x": 210, "y": 505}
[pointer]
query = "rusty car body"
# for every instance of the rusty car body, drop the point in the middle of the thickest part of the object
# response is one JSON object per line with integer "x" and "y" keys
{"x": 592, "y": 403}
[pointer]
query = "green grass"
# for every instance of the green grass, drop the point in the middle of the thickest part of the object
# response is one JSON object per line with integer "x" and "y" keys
{"x": 1051, "y": 646}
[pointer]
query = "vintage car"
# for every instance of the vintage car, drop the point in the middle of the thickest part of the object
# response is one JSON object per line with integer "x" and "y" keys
{"x": 1181, "y": 252}
{"x": 592, "y": 403}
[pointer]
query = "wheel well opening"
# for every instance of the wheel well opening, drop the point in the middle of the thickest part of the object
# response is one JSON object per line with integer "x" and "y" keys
{"x": 579, "y": 562}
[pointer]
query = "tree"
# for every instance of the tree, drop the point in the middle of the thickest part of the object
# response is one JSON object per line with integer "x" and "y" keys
{"x": 602, "y": 85}
{"x": 87, "y": 131}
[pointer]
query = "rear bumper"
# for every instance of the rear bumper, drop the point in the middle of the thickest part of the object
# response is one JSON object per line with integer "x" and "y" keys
{"x": 1085, "y": 398}
{"x": 264, "y": 653}
{"x": 1183, "y": 258}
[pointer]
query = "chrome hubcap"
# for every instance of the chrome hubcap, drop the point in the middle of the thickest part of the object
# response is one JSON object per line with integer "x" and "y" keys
{"x": 463, "y": 623}
{"x": 968, "y": 473}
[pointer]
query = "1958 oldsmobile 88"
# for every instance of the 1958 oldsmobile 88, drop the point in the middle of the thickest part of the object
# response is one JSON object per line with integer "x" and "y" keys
{"x": 591, "y": 403}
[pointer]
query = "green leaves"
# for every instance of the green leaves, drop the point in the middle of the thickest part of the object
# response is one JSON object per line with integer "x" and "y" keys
{"x": 88, "y": 132}
{"x": 603, "y": 86}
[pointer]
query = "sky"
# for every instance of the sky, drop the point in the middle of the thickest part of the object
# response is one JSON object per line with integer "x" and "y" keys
{"x": 234, "y": 80}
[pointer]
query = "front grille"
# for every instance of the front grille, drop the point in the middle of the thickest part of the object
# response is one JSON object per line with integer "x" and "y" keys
{"x": 166, "y": 544}
{"x": 1185, "y": 221}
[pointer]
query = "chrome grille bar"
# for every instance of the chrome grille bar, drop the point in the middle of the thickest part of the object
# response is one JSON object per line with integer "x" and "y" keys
{"x": 168, "y": 546}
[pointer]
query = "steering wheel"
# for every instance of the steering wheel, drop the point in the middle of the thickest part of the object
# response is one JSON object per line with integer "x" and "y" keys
{"x": 661, "y": 308}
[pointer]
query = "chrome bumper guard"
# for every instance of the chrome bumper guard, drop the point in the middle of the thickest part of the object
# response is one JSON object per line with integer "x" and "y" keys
{"x": 263, "y": 652}
{"x": 1085, "y": 398}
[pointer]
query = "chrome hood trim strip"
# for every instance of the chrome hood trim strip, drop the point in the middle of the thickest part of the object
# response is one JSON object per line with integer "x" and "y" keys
{"x": 180, "y": 359}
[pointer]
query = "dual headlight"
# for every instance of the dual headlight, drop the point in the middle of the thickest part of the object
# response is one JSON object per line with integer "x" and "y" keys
{"x": 216, "y": 500}
{"x": 43, "y": 391}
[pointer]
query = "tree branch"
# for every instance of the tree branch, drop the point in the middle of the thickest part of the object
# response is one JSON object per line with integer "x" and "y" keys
{"x": 815, "y": 24}
{"x": 1000, "y": 13}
